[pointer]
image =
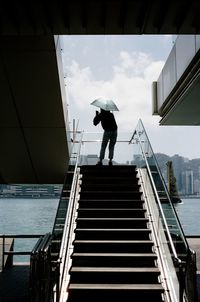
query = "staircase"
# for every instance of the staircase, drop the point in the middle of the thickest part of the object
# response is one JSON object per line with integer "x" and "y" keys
{"x": 113, "y": 253}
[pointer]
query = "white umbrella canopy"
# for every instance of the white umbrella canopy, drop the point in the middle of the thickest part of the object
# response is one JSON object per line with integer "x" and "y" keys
{"x": 105, "y": 104}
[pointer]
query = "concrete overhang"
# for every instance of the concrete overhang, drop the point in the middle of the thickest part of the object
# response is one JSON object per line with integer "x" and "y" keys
{"x": 65, "y": 17}
{"x": 176, "y": 93}
{"x": 32, "y": 122}
{"x": 185, "y": 109}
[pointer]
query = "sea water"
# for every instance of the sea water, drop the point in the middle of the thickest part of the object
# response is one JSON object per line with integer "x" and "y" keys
{"x": 36, "y": 216}
{"x": 189, "y": 215}
{"x": 26, "y": 217}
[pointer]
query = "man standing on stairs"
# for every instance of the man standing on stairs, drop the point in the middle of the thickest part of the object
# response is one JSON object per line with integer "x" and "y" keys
{"x": 109, "y": 125}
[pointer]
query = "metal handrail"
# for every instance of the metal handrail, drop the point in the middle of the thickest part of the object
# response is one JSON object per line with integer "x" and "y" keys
{"x": 160, "y": 207}
{"x": 68, "y": 228}
{"x": 83, "y": 140}
{"x": 150, "y": 210}
{"x": 40, "y": 279}
{"x": 156, "y": 193}
{"x": 177, "y": 260}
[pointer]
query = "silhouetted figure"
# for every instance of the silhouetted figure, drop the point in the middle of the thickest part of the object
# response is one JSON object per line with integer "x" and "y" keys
{"x": 109, "y": 125}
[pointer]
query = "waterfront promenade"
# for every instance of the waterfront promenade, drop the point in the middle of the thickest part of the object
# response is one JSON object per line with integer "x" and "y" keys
{"x": 14, "y": 283}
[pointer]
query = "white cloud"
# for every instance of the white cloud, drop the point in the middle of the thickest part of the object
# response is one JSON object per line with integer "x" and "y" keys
{"x": 129, "y": 87}
{"x": 133, "y": 63}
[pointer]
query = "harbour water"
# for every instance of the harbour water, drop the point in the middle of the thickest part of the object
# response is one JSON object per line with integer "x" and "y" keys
{"x": 26, "y": 216}
{"x": 36, "y": 216}
{"x": 189, "y": 215}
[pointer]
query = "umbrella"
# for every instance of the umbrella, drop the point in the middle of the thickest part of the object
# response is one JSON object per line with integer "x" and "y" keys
{"x": 105, "y": 104}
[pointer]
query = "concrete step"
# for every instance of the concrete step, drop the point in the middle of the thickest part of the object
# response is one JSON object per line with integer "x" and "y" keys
{"x": 113, "y": 246}
{"x": 112, "y": 234}
{"x": 110, "y": 187}
{"x": 115, "y": 275}
{"x": 109, "y": 212}
{"x": 108, "y": 171}
{"x": 115, "y": 259}
{"x": 104, "y": 179}
{"x": 110, "y": 195}
{"x": 118, "y": 223}
{"x": 110, "y": 203}
{"x": 115, "y": 292}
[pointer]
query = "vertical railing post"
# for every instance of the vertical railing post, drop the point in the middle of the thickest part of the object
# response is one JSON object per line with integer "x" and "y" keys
{"x": 181, "y": 280}
{"x": 58, "y": 282}
{"x": 3, "y": 253}
{"x": 74, "y": 130}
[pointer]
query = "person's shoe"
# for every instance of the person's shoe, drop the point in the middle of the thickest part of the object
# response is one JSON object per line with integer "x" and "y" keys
{"x": 110, "y": 163}
{"x": 99, "y": 163}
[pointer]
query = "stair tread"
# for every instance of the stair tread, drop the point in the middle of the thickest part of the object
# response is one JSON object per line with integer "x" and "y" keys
{"x": 113, "y": 241}
{"x": 116, "y": 184}
{"x": 110, "y": 199}
{"x": 113, "y": 230}
{"x": 112, "y": 218}
{"x": 116, "y": 286}
{"x": 107, "y": 184}
{"x": 112, "y": 209}
{"x": 114, "y": 269}
{"x": 153, "y": 255}
{"x": 109, "y": 168}
{"x": 110, "y": 179}
{"x": 111, "y": 191}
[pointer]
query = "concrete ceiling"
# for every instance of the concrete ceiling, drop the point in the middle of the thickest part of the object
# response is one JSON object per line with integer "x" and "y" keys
{"x": 99, "y": 17}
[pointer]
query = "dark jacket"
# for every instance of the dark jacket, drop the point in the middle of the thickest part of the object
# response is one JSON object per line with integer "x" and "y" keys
{"x": 107, "y": 120}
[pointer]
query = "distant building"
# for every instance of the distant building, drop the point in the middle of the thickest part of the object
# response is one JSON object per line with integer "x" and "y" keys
{"x": 178, "y": 165}
{"x": 187, "y": 182}
{"x": 29, "y": 191}
{"x": 197, "y": 187}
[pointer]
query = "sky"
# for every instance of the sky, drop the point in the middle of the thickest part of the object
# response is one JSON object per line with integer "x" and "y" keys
{"x": 122, "y": 68}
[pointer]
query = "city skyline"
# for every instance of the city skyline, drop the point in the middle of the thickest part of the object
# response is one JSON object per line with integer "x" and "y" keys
{"x": 186, "y": 171}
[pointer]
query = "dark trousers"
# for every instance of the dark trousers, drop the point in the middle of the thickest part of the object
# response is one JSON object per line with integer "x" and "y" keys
{"x": 111, "y": 137}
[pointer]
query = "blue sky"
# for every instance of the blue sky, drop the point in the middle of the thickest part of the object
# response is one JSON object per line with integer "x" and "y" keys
{"x": 123, "y": 68}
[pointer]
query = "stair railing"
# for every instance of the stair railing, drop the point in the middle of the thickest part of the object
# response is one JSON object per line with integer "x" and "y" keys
{"x": 64, "y": 260}
{"x": 178, "y": 246}
{"x": 40, "y": 271}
